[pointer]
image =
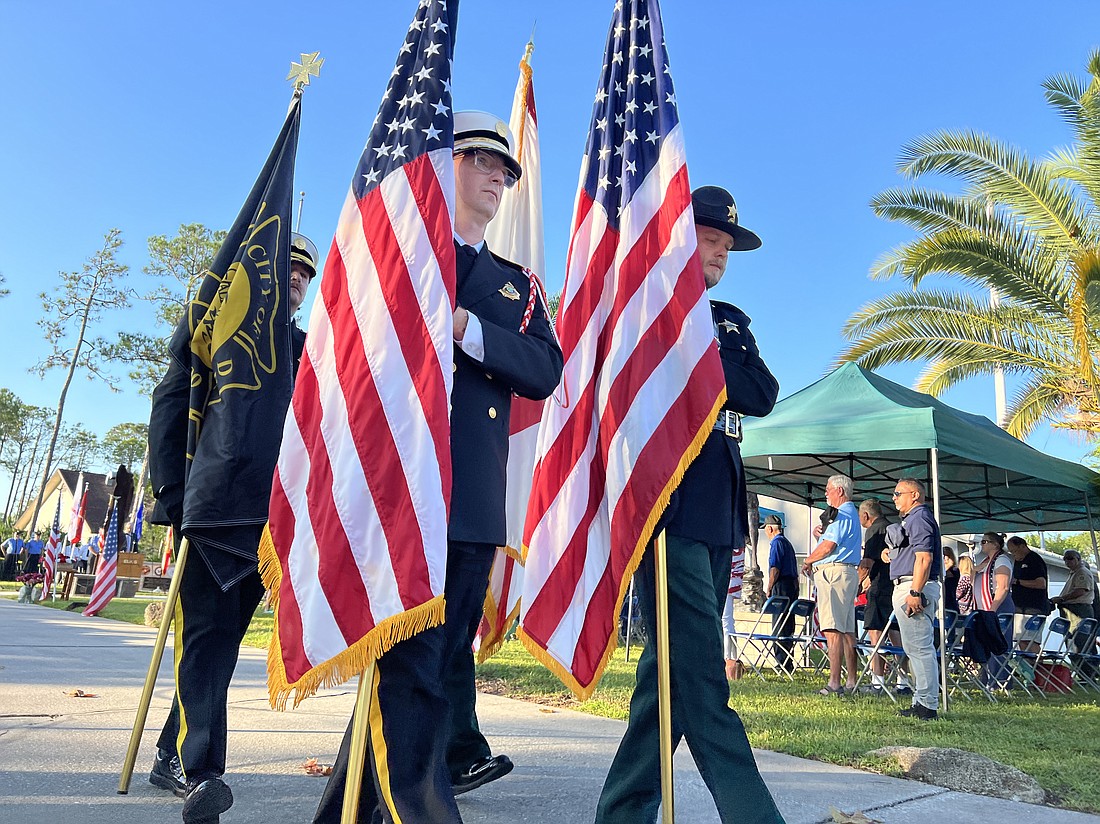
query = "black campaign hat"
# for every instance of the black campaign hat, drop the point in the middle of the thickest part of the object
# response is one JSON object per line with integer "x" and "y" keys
{"x": 715, "y": 207}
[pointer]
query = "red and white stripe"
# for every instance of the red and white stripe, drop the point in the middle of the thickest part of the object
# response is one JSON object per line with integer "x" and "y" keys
{"x": 642, "y": 384}
{"x": 362, "y": 486}
{"x": 80, "y": 506}
{"x": 50, "y": 556}
{"x": 103, "y": 590}
{"x": 517, "y": 234}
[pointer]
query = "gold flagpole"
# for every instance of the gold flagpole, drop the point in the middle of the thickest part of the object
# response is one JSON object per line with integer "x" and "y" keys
{"x": 357, "y": 755}
{"x": 664, "y": 692}
{"x": 154, "y": 668}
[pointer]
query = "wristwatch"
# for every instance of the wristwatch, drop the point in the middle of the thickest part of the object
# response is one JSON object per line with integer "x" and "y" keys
{"x": 914, "y": 593}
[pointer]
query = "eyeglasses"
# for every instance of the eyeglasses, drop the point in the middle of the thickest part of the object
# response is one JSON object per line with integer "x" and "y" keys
{"x": 897, "y": 493}
{"x": 988, "y": 542}
{"x": 488, "y": 163}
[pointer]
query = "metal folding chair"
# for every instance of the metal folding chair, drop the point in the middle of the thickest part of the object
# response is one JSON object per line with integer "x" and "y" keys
{"x": 1081, "y": 654}
{"x": 801, "y": 636}
{"x": 963, "y": 672}
{"x": 756, "y": 641}
{"x": 1020, "y": 666}
{"x": 1052, "y": 656}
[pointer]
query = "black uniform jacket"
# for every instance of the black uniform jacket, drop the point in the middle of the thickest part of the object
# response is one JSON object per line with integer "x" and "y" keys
{"x": 168, "y": 427}
{"x": 709, "y": 505}
{"x": 528, "y": 364}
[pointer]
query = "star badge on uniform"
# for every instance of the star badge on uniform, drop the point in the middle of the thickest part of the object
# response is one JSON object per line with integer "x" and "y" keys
{"x": 509, "y": 291}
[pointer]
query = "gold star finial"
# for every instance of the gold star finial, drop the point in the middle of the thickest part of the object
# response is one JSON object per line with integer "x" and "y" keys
{"x": 300, "y": 72}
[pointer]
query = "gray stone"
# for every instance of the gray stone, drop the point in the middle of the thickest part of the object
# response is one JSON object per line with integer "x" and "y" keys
{"x": 965, "y": 771}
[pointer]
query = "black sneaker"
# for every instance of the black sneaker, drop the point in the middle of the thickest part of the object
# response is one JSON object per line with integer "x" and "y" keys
{"x": 206, "y": 800}
{"x": 168, "y": 774}
{"x": 903, "y": 690}
{"x": 482, "y": 772}
{"x": 919, "y": 711}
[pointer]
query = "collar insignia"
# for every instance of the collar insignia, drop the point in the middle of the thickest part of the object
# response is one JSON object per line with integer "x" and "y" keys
{"x": 730, "y": 326}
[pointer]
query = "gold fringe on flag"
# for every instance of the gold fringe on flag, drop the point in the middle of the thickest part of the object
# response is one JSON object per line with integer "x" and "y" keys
{"x": 349, "y": 663}
{"x": 583, "y": 693}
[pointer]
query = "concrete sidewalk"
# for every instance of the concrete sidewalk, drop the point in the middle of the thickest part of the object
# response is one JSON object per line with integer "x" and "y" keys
{"x": 61, "y": 756}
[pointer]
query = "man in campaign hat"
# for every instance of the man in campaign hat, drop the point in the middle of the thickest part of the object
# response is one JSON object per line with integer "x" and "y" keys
{"x": 210, "y": 622}
{"x": 706, "y": 519}
{"x": 503, "y": 345}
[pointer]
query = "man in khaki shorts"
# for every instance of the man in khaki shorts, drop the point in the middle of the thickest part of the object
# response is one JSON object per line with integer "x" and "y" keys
{"x": 834, "y": 565}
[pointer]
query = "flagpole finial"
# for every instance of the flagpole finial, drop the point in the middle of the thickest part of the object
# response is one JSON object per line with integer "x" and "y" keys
{"x": 300, "y": 72}
{"x": 530, "y": 44}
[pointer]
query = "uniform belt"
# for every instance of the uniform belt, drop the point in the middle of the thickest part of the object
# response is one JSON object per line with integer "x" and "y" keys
{"x": 902, "y": 578}
{"x": 729, "y": 423}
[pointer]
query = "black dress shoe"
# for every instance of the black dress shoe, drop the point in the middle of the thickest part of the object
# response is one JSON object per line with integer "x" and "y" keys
{"x": 919, "y": 711}
{"x": 482, "y": 772}
{"x": 168, "y": 774}
{"x": 206, "y": 800}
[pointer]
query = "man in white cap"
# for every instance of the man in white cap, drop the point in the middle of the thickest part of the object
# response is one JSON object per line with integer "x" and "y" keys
{"x": 210, "y": 622}
{"x": 504, "y": 345}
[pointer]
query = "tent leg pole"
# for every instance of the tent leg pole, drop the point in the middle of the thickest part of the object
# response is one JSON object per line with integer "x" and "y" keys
{"x": 1092, "y": 531}
{"x": 934, "y": 460}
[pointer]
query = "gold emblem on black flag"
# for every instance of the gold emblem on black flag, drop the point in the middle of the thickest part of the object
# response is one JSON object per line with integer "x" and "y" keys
{"x": 234, "y": 335}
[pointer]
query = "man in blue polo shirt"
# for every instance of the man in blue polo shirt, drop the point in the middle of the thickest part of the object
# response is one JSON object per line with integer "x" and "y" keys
{"x": 834, "y": 564}
{"x": 33, "y": 550}
{"x": 783, "y": 581}
{"x": 916, "y": 565}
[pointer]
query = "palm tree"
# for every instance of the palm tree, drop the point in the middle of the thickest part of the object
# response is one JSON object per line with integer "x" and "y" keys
{"x": 1023, "y": 238}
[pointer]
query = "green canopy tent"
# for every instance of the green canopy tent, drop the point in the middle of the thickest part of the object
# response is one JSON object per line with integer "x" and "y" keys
{"x": 875, "y": 431}
{"x": 859, "y": 424}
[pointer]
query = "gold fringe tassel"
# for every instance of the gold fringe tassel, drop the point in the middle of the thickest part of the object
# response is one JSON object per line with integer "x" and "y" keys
{"x": 492, "y": 643}
{"x": 349, "y": 663}
{"x": 584, "y": 691}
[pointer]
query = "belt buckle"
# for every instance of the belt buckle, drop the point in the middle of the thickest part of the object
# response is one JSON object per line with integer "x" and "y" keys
{"x": 733, "y": 431}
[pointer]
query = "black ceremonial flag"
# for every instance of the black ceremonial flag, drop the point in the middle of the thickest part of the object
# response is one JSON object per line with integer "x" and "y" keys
{"x": 217, "y": 415}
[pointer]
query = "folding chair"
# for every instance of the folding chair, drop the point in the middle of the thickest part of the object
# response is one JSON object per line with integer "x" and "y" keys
{"x": 801, "y": 636}
{"x": 1020, "y": 666}
{"x": 1054, "y": 654}
{"x": 1081, "y": 654}
{"x": 756, "y": 641}
{"x": 963, "y": 672}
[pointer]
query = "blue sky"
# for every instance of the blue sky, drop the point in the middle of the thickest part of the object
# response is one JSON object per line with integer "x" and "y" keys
{"x": 143, "y": 116}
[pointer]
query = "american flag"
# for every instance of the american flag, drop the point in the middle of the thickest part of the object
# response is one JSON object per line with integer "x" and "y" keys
{"x": 355, "y": 552}
{"x": 104, "y": 588}
{"x": 643, "y": 381}
{"x": 51, "y": 549}
{"x": 517, "y": 234}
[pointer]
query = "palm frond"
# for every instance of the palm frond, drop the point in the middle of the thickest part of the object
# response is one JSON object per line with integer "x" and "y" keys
{"x": 1019, "y": 267}
{"x": 1036, "y": 401}
{"x": 1006, "y": 174}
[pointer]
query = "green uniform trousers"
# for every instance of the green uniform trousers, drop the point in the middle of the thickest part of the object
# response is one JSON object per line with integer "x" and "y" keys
{"x": 698, "y": 580}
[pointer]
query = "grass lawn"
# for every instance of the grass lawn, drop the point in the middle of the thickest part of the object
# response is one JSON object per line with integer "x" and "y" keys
{"x": 1053, "y": 740}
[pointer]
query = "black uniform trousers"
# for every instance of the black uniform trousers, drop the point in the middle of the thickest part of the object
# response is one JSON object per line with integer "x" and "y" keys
{"x": 698, "y": 581}
{"x": 784, "y": 624}
{"x": 209, "y": 625}
{"x": 467, "y": 745}
{"x": 411, "y": 723}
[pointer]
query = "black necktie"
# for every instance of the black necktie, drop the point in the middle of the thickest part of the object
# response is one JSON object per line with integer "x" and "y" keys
{"x": 464, "y": 262}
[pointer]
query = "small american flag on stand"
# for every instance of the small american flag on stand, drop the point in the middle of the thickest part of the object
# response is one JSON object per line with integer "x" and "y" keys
{"x": 643, "y": 380}
{"x": 50, "y": 565}
{"x": 104, "y": 588}
{"x": 356, "y": 547}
